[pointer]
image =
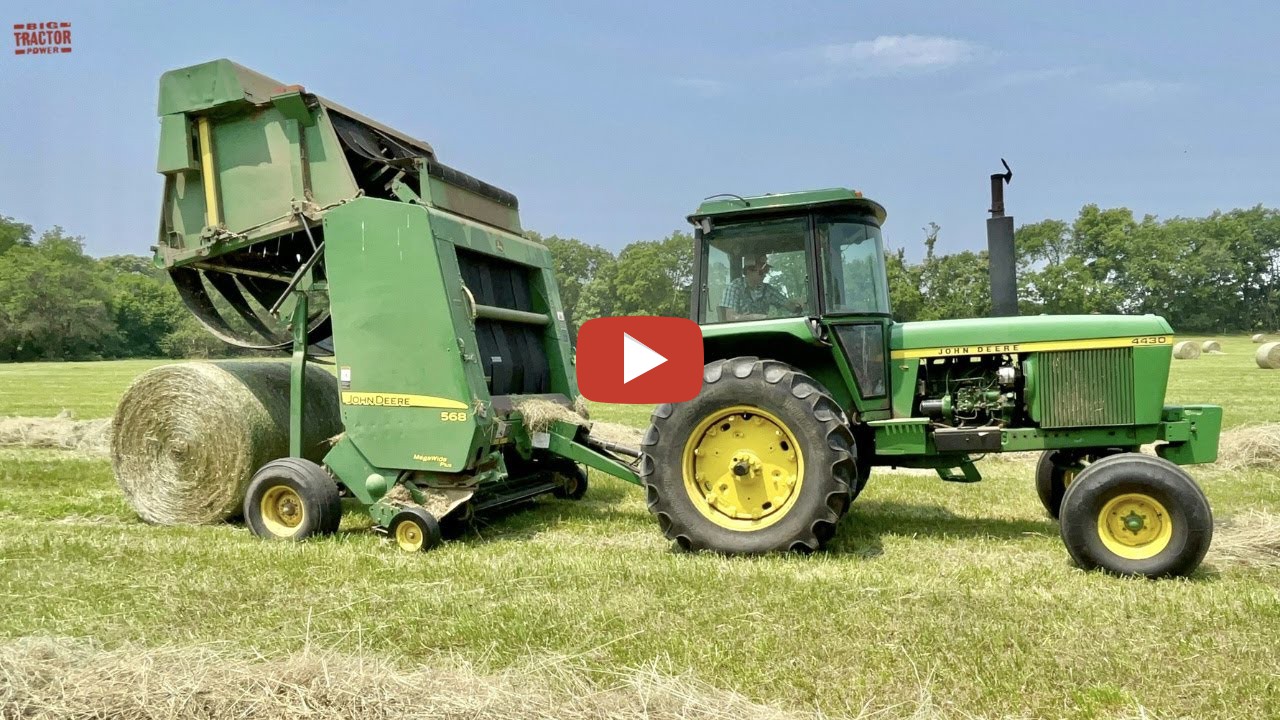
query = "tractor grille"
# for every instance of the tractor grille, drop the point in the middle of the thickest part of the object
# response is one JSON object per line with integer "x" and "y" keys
{"x": 1086, "y": 388}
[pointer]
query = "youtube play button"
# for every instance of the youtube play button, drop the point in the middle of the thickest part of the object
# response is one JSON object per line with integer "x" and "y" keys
{"x": 639, "y": 360}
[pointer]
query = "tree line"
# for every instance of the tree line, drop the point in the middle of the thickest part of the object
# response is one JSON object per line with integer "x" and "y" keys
{"x": 1219, "y": 273}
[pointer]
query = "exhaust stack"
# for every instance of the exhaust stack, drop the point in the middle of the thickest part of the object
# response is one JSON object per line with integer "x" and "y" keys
{"x": 1000, "y": 254}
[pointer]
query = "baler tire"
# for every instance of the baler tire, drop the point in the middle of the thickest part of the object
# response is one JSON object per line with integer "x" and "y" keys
{"x": 292, "y": 499}
{"x": 415, "y": 530}
{"x": 757, "y": 393}
{"x": 572, "y": 482}
{"x": 1134, "y": 514}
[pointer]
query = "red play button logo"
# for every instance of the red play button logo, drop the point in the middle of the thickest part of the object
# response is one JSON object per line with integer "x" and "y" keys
{"x": 639, "y": 360}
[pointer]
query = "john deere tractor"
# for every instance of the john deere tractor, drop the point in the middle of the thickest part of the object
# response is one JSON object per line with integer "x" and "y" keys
{"x": 810, "y": 383}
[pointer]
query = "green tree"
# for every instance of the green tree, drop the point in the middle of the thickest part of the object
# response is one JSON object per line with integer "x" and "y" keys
{"x": 53, "y": 302}
{"x": 13, "y": 233}
{"x": 654, "y": 277}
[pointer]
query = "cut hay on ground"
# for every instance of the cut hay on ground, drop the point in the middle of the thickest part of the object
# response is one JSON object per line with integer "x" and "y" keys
{"x": 1268, "y": 356}
{"x": 1250, "y": 446}
{"x": 1259, "y": 338}
{"x": 1251, "y": 539}
{"x": 1186, "y": 350}
{"x": 1211, "y": 346}
{"x": 43, "y": 679}
{"x": 189, "y": 437}
{"x": 539, "y": 414}
{"x": 63, "y": 432}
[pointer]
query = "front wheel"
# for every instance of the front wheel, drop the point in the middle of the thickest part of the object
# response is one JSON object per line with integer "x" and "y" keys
{"x": 1133, "y": 514}
{"x": 761, "y": 460}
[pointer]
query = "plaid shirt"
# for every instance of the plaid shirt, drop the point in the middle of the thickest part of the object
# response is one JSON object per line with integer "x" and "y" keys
{"x": 763, "y": 299}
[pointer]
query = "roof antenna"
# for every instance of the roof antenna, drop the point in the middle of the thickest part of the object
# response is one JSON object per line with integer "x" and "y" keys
{"x": 738, "y": 197}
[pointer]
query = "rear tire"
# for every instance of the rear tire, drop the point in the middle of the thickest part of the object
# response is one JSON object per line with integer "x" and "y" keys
{"x": 292, "y": 499}
{"x": 762, "y": 460}
{"x": 1133, "y": 514}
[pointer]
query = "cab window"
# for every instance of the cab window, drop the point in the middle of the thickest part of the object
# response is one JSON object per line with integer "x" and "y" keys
{"x": 756, "y": 270}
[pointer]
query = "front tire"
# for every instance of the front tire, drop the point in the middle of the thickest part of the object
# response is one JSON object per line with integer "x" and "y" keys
{"x": 762, "y": 460}
{"x": 1133, "y": 514}
{"x": 292, "y": 499}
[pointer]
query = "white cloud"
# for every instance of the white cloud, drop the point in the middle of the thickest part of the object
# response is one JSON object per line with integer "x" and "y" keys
{"x": 702, "y": 86}
{"x": 1139, "y": 90}
{"x": 898, "y": 55}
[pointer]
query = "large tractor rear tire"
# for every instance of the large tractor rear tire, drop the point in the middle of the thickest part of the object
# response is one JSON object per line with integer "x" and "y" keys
{"x": 762, "y": 460}
{"x": 292, "y": 499}
{"x": 1133, "y": 514}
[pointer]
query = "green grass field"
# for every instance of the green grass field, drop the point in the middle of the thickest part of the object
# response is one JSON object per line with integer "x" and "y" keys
{"x": 935, "y": 599}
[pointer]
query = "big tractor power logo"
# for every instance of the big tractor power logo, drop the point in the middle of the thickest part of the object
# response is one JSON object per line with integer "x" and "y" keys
{"x": 41, "y": 38}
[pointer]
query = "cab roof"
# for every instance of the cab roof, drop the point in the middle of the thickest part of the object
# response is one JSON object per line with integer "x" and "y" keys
{"x": 781, "y": 203}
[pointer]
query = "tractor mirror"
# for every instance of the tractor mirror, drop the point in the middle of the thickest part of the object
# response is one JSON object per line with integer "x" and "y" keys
{"x": 705, "y": 225}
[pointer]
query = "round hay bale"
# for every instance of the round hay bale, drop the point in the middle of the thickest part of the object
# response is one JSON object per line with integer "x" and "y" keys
{"x": 1211, "y": 346}
{"x": 1259, "y": 338}
{"x": 189, "y": 437}
{"x": 1268, "y": 356}
{"x": 1186, "y": 350}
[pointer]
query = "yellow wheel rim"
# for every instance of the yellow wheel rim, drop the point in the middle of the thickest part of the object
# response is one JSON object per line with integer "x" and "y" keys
{"x": 409, "y": 536}
{"x": 1069, "y": 476}
{"x": 282, "y": 511}
{"x": 743, "y": 468}
{"x": 1135, "y": 526}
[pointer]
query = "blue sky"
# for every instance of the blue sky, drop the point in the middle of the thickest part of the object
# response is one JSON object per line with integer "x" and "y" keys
{"x": 611, "y": 121}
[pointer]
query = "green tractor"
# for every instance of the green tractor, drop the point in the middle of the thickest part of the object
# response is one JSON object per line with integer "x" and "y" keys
{"x": 291, "y": 223}
{"x": 809, "y": 383}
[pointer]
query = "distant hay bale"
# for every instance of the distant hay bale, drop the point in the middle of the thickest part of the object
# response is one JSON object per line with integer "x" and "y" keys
{"x": 1259, "y": 338}
{"x": 1186, "y": 350}
{"x": 189, "y": 437}
{"x": 1268, "y": 356}
{"x": 1211, "y": 346}
{"x": 1249, "y": 446}
{"x": 63, "y": 432}
{"x": 1249, "y": 539}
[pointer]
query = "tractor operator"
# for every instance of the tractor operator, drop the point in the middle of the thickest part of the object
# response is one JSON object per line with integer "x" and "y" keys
{"x": 749, "y": 297}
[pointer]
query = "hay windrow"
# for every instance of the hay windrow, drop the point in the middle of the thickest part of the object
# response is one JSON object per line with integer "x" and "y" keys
{"x": 1268, "y": 356}
{"x": 188, "y": 437}
{"x": 61, "y": 678}
{"x": 1186, "y": 350}
{"x": 1250, "y": 446}
{"x": 1250, "y": 539}
{"x": 63, "y": 432}
{"x": 1211, "y": 346}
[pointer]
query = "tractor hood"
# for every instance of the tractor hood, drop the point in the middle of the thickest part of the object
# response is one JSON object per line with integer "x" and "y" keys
{"x": 980, "y": 336}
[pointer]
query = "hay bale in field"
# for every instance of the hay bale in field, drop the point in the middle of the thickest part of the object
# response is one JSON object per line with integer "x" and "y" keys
{"x": 1259, "y": 338}
{"x": 1250, "y": 539}
{"x": 1268, "y": 356}
{"x": 1249, "y": 446}
{"x": 189, "y": 437}
{"x": 1186, "y": 350}
{"x": 63, "y": 432}
{"x": 1211, "y": 346}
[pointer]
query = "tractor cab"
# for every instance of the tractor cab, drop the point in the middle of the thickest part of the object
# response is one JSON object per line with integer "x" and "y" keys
{"x": 805, "y": 254}
{"x": 809, "y": 264}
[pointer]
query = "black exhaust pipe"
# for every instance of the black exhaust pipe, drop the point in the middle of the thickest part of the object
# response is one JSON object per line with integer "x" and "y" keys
{"x": 1000, "y": 255}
